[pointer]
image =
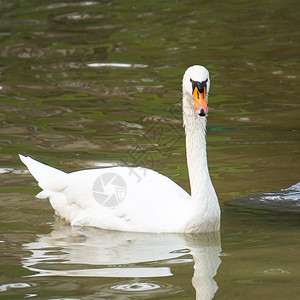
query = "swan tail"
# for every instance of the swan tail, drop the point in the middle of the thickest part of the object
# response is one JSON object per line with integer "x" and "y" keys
{"x": 43, "y": 174}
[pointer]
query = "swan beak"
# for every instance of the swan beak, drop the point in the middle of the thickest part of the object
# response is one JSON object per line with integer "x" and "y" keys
{"x": 200, "y": 101}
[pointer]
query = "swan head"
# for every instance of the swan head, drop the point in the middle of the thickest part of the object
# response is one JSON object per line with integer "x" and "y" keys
{"x": 196, "y": 84}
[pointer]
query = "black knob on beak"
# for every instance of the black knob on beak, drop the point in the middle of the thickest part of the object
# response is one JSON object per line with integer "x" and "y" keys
{"x": 202, "y": 112}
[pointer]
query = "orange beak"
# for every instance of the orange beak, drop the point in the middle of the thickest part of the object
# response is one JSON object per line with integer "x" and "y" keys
{"x": 200, "y": 101}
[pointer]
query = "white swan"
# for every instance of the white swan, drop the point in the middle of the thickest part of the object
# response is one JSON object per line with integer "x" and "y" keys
{"x": 113, "y": 198}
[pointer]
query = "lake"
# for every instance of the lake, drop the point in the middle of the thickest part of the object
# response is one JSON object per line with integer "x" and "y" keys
{"x": 87, "y": 84}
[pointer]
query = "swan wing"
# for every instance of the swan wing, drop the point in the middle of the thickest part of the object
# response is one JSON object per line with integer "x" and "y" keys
{"x": 118, "y": 198}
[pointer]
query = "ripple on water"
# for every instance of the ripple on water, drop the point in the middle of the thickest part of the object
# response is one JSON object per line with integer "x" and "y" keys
{"x": 137, "y": 290}
{"x": 115, "y": 65}
{"x": 141, "y": 289}
{"x": 136, "y": 287}
{"x": 64, "y": 4}
{"x": 275, "y": 271}
{"x": 14, "y": 171}
{"x": 15, "y": 285}
{"x": 74, "y": 16}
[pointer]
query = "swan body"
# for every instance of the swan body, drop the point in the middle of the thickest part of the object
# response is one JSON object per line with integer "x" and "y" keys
{"x": 140, "y": 199}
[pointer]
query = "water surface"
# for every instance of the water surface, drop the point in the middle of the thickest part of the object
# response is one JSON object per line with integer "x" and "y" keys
{"x": 97, "y": 83}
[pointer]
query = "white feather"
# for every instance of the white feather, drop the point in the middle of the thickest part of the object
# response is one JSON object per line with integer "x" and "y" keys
{"x": 152, "y": 202}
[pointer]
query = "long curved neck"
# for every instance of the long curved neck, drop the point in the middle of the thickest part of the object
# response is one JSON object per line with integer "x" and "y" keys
{"x": 195, "y": 130}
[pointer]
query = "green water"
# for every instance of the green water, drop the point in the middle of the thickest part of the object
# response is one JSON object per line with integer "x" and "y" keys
{"x": 85, "y": 84}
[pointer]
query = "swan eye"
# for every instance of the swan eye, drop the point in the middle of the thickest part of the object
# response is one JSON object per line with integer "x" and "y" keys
{"x": 193, "y": 83}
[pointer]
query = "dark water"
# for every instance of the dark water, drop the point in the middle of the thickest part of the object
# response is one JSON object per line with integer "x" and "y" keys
{"x": 98, "y": 83}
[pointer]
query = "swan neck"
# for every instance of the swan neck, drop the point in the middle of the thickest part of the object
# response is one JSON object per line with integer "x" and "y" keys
{"x": 195, "y": 130}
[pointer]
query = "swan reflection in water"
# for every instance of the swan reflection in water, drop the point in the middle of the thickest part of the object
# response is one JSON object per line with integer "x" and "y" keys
{"x": 91, "y": 252}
